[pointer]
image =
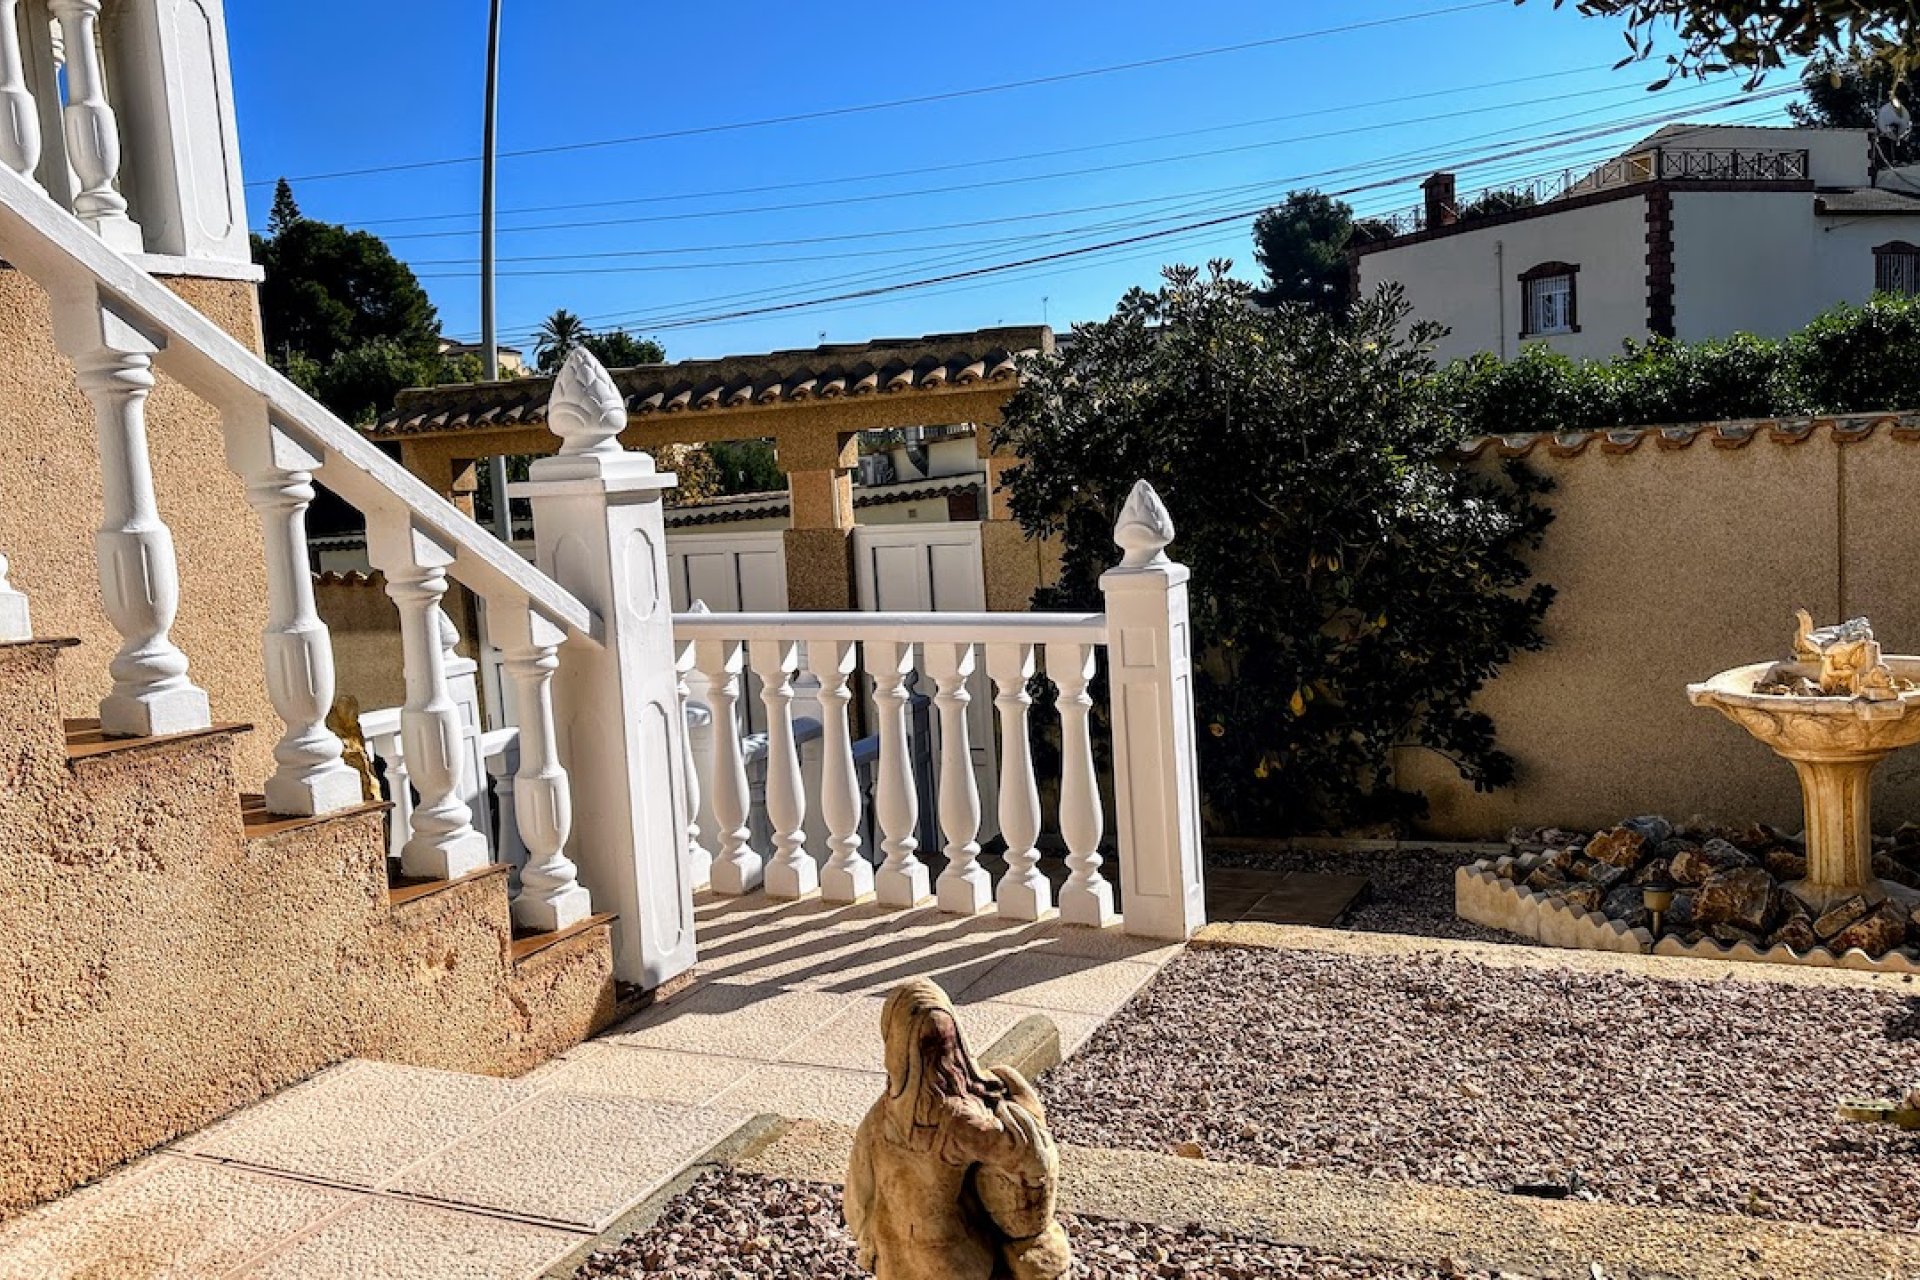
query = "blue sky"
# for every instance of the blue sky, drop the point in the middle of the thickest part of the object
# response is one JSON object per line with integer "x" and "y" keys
{"x": 702, "y": 225}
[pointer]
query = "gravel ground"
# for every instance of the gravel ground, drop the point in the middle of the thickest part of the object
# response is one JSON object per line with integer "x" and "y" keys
{"x": 739, "y": 1225}
{"x": 1412, "y": 890}
{"x": 1710, "y": 1096}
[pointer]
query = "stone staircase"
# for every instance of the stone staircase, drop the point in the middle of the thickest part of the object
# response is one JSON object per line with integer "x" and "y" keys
{"x": 176, "y": 952}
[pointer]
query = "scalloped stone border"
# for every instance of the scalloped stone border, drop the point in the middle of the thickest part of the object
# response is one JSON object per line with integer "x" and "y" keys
{"x": 1482, "y": 895}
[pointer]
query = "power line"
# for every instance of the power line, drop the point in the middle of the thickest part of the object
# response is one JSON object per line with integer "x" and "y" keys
{"x": 996, "y": 269}
{"x": 657, "y": 318}
{"x": 1014, "y": 159}
{"x": 950, "y": 95}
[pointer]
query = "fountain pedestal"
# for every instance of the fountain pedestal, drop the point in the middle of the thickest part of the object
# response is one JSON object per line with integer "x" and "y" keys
{"x": 1834, "y": 744}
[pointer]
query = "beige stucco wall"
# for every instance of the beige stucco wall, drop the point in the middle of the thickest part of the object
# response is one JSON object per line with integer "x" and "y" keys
{"x": 368, "y": 661}
{"x": 50, "y": 506}
{"x": 1671, "y": 565}
{"x": 164, "y": 965}
{"x": 1462, "y": 280}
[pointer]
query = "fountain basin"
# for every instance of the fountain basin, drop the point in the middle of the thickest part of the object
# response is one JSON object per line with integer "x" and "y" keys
{"x": 1834, "y": 744}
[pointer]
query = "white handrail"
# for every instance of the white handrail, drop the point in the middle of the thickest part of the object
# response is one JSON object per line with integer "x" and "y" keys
{"x": 922, "y": 628}
{"x": 48, "y": 243}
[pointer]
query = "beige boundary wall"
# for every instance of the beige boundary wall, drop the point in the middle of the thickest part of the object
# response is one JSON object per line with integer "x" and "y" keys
{"x": 1678, "y": 552}
{"x": 50, "y": 506}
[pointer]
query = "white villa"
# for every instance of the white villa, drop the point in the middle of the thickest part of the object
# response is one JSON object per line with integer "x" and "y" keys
{"x": 1696, "y": 232}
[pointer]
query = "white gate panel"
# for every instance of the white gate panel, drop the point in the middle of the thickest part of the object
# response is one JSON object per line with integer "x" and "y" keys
{"x": 936, "y": 568}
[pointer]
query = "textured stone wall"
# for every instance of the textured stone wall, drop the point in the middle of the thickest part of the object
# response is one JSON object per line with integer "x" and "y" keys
{"x": 50, "y": 507}
{"x": 165, "y": 965}
{"x": 1678, "y": 554}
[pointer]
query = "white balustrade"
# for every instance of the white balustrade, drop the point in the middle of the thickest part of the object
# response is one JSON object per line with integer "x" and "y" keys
{"x": 697, "y": 720}
{"x": 1024, "y": 893}
{"x": 91, "y": 130}
{"x": 791, "y": 872}
{"x": 737, "y": 868}
{"x": 502, "y": 750}
{"x": 277, "y": 465}
{"x": 139, "y": 577}
{"x": 443, "y": 843}
{"x": 963, "y": 887}
{"x": 19, "y": 113}
{"x": 15, "y": 620}
{"x": 550, "y": 896}
{"x": 847, "y": 877}
{"x": 1086, "y": 898}
{"x": 902, "y": 880}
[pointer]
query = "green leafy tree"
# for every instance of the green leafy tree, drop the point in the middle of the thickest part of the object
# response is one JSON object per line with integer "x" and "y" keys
{"x": 1352, "y": 590}
{"x": 1759, "y": 36}
{"x": 1497, "y": 201}
{"x": 745, "y": 466}
{"x": 1847, "y": 95}
{"x": 1302, "y": 246}
{"x": 557, "y": 336}
{"x": 618, "y": 349}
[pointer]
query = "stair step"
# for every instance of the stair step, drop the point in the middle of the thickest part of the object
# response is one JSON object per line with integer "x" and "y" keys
{"x": 405, "y": 889}
{"x": 86, "y": 741}
{"x": 532, "y": 944}
{"x": 261, "y": 824}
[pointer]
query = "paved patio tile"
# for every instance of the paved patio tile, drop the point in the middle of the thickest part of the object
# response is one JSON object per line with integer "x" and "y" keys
{"x": 165, "y": 1219}
{"x": 807, "y": 1093}
{"x": 1073, "y": 984}
{"x": 568, "y": 1158}
{"x": 734, "y": 1021}
{"x": 852, "y": 1042}
{"x": 629, "y": 1071}
{"x": 360, "y": 1125}
{"x": 382, "y": 1239}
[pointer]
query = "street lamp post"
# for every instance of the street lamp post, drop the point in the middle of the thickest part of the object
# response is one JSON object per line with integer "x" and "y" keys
{"x": 489, "y": 336}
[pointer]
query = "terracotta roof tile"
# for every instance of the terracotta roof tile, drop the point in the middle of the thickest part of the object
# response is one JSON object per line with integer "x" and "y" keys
{"x": 1735, "y": 434}
{"x": 885, "y": 367}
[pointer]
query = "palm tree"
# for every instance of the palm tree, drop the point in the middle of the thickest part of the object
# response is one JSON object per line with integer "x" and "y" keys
{"x": 559, "y": 333}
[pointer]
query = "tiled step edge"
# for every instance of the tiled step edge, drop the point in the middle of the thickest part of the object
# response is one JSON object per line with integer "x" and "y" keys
{"x": 1482, "y": 895}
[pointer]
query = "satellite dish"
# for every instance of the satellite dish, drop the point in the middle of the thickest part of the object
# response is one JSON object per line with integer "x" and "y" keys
{"x": 1895, "y": 122}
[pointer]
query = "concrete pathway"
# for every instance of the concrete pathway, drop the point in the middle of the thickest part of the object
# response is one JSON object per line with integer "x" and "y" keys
{"x": 370, "y": 1170}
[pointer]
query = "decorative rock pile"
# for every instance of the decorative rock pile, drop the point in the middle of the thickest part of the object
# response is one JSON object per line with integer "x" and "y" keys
{"x": 1728, "y": 884}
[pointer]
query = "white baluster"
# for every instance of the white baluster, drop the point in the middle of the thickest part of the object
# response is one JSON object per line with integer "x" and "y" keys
{"x": 847, "y": 877}
{"x": 551, "y": 896}
{"x": 443, "y": 844}
{"x": 391, "y": 748}
{"x": 738, "y": 868}
{"x": 92, "y": 132}
{"x": 15, "y": 622}
{"x": 278, "y": 467}
{"x": 503, "y": 762}
{"x": 1024, "y": 893}
{"x": 1087, "y": 897}
{"x": 139, "y": 577}
{"x": 964, "y": 888}
{"x": 19, "y": 113}
{"x": 902, "y": 878}
{"x": 699, "y": 857}
{"x": 791, "y": 872}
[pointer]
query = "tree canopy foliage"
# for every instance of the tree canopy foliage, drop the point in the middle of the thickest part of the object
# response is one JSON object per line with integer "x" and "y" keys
{"x": 1301, "y": 245}
{"x": 343, "y": 317}
{"x": 1759, "y": 36}
{"x": 1351, "y": 590}
{"x": 1848, "y": 95}
{"x": 562, "y": 331}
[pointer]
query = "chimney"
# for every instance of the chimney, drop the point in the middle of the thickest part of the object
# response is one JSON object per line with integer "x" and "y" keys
{"x": 1441, "y": 211}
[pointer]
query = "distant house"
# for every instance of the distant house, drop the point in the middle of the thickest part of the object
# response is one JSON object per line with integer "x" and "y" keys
{"x": 513, "y": 361}
{"x": 1697, "y": 232}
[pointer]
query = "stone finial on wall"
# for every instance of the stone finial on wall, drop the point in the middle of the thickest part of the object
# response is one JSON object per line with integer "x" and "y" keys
{"x": 587, "y": 411}
{"x": 1144, "y": 528}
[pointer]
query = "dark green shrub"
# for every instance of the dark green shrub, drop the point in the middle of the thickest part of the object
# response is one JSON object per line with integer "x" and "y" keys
{"x": 1352, "y": 590}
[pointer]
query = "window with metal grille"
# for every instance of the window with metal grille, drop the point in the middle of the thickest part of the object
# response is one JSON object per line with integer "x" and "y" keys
{"x": 1549, "y": 300}
{"x": 1896, "y": 269}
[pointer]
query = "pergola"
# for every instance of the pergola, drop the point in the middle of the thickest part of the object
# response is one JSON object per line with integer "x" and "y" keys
{"x": 811, "y": 403}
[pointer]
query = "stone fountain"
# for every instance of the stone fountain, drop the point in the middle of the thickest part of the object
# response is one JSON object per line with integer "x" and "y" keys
{"x": 1833, "y": 712}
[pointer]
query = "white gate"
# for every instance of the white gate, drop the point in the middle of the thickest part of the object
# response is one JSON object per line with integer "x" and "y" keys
{"x": 927, "y": 568}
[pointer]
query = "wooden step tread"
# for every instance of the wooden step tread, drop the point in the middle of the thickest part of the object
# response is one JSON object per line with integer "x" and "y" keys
{"x": 261, "y": 824}
{"x": 85, "y": 740}
{"x": 42, "y": 642}
{"x": 410, "y": 888}
{"x": 532, "y": 944}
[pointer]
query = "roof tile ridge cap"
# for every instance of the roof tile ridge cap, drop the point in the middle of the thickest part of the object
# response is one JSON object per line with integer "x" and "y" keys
{"x": 1520, "y": 444}
{"x": 1621, "y": 440}
{"x": 1797, "y": 430}
{"x": 1571, "y": 443}
{"x": 1851, "y": 428}
{"x": 1677, "y": 436}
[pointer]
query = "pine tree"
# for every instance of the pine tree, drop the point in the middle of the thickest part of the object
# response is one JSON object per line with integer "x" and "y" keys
{"x": 285, "y": 212}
